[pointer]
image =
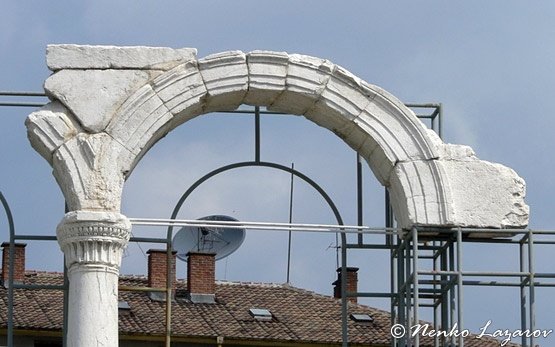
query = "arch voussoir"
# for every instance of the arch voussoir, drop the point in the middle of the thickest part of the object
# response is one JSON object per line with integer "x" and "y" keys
{"x": 141, "y": 116}
{"x": 182, "y": 90}
{"x": 305, "y": 81}
{"x": 267, "y": 77}
{"x": 226, "y": 77}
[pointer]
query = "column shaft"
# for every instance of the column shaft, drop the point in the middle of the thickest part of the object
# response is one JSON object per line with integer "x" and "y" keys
{"x": 93, "y": 243}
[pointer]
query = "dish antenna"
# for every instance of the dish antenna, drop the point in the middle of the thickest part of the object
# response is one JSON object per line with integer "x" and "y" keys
{"x": 220, "y": 240}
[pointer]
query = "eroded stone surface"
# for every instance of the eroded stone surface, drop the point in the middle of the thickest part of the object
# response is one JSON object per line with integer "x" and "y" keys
{"x": 49, "y": 128}
{"x": 141, "y": 116}
{"x": 267, "y": 73}
{"x": 97, "y": 237}
{"x": 226, "y": 78}
{"x": 94, "y": 95}
{"x": 60, "y": 57}
{"x": 420, "y": 188}
{"x": 182, "y": 91}
{"x": 306, "y": 79}
{"x": 486, "y": 194}
{"x": 89, "y": 170}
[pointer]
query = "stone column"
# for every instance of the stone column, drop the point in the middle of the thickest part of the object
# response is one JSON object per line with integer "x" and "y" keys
{"x": 92, "y": 243}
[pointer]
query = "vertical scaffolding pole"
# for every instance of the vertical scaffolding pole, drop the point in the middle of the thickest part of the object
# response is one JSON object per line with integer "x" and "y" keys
{"x": 169, "y": 277}
{"x": 523, "y": 281}
{"x": 257, "y": 133}
{"x": 444, "y": 286}
{"x": 11, "y": 227}
{"x": 360, "y": 220}
{"x": 290, "y": 221}
{"x": 440, "y": 121}
{"x": 400, "y": 285}
{"x": 460, "y": 286}
{"x": 435, "y": 288}
{"x": 408, "y": 287}
{"x": 415, "y": 296}
{"x": 451, "y": 290}
{"x": 344, "y": 327}
{"x": 531, "y": 284}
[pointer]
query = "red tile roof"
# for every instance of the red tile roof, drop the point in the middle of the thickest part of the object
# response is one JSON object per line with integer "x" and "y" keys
{"x": 299, "y": 316}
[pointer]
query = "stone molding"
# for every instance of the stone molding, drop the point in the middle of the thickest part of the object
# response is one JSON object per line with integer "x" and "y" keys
{"x": 93, "y": 239}
{"x": 93, "y": 146}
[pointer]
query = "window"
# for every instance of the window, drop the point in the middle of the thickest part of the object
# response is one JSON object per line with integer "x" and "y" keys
{"x": 123, "y": 307}
{"x": 261, "y": 314}
{"x": 362, "y": 318}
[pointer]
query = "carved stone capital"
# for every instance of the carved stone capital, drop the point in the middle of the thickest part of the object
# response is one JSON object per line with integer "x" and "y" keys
{"x": 93, "y": 238}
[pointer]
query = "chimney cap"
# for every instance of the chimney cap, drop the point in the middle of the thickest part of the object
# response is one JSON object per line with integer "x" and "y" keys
{"x": 16, "y": 244}
{"x": 159, "y": 251}
{"x": 349, "y": 269}
{"x": 201, "y": 253}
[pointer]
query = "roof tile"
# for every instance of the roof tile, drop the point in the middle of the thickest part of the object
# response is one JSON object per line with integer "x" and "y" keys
{"x": 298, "y": 315}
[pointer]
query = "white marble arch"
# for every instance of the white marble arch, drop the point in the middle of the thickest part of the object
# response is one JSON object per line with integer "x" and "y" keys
{"x": 110, "y": 105}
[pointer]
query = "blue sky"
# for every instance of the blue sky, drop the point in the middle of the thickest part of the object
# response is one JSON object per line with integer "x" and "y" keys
{"x": 491, "y": 64}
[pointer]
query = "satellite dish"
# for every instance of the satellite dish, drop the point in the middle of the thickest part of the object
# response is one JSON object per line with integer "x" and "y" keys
{"x": 220, "y": 240}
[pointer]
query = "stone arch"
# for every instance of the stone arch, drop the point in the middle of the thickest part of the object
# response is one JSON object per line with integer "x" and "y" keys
{"x": 95, "y": 140}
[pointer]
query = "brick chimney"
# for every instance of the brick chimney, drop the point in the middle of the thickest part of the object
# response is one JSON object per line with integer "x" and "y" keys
{"x": 201, "y": 277}
{"x": 352, "y": 283}
{"x": 157, "y": 270}
{"x": 19, "y": 262}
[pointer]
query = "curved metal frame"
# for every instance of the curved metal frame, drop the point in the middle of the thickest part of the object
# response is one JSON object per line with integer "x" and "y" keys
{"x": 331, "y": 204}
{"x": 11, "y": 268}
{"x": 255, "y": 164}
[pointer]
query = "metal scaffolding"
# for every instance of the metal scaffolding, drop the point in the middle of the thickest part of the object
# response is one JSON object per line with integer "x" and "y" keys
{"x": 426, "y": 265}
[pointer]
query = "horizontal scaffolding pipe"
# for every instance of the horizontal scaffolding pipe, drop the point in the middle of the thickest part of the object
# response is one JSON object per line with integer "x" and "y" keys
{"x": 38, "y": 286}
{"x": 252, "y": 111}
{"x": 476, "y": 273}
{"x": 369, "y": 295}
{"x": 149, "y": 240}
{"x": 35, "y": 237}
{"x": 424, "y": 105}
{"x": 140, "y": 289}
{"x": 22, "y": 104}
{"x": 367, "y": 246}
{"x": 505, "y": 284}
{"x": 19, "y": 93}
{"x": 352, "y": 229}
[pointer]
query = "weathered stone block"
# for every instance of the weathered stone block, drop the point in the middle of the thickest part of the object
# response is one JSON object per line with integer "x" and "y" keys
{"x": 49, "y": 128}
{"x": 306, "y": 80}
{"x": 138, "y": 119}
{"x": 94, "y": 95}
{"x": 486, "y": 195}
{"x": 89, "y": 172}
{"x": 60, "y": 57}
{"x": 267, "y": 73}
{"x": 226, "y": 79}
{"x": 421, "y": 194}
{"x": 183, "y": 91}
{"x": 343, "y": 98}
{"x": 389, "y": 131}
